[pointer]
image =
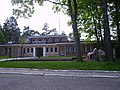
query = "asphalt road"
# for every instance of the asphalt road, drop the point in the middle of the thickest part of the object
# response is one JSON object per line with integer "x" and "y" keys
{"x": 37, "y": 82}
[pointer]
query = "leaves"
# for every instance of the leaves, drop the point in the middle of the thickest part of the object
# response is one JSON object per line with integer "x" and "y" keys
{"x": 25, "y": 8}
{"x": 28, "y": 32}
{"x": 11, "y": 30}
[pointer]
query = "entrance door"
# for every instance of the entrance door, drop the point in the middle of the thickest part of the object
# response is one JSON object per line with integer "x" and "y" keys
{"x": 10, "y": 52}
{"x": 39, "y": 52}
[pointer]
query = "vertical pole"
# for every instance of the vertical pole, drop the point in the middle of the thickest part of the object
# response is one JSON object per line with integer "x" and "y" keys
{"x": 59, "y": 23}
{"x": 44, "y": 51}
{"x": 34, "y": 52}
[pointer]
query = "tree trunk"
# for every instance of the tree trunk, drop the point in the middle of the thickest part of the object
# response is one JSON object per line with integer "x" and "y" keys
{"x": 117, "y": 20}
{"x": 108, "y": 44}
{"x": 96, "y": 34}
{"x": 101, "y": 37}
{"x": 73, "y": 15}
{"x": 117, "y": 48}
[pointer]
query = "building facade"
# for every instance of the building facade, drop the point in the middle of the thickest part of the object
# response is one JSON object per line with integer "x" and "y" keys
{"x": 44, "y": 46}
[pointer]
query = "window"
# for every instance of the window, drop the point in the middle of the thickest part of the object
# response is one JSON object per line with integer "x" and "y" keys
{"x": 55, "y": 49}
{"x": 91, "y": 49}
{"x": 47, "y": 49}
{"x": 31, "y": 50}
{"x": 6, "y": 51}
{"x": 85, "y": 48}
{"x": 72, "y": 49}
{"x": 67, "y": 49}
{"x": 51, "y": 49}
{"x": 24, "y": 50}
{"x": 28, "y": 51}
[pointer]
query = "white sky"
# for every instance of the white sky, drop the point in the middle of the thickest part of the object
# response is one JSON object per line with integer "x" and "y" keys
{"x": 43, "y": 14}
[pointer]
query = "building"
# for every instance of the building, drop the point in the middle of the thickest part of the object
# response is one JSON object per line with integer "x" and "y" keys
{"x": 47, "y": 39}
{"x": 51, "y": 45}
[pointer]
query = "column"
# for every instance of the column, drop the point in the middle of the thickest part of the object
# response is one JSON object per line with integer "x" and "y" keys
{"x": 34, "y": 52}
{"x": 44, "y": 50}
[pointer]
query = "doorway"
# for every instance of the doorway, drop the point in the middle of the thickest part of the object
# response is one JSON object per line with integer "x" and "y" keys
{"x": 39, "y": 52}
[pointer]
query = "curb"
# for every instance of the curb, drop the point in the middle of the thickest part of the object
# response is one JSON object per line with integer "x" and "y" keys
{"x": 62, "y": 73}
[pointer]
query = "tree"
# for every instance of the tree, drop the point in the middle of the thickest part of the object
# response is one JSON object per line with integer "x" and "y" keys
{"x": 11, "y": 30}
{"x": 73, "y": 14}
{"x": 2, "y": 37}
{"x": 47, "y": 31}
{"x": 116, "y": 19}
{"x": 70, "y": 36}
{"x": 108, "y": 44}
{"x": 90, "y": 20}
{"x": 26, "y": 33}
{"x": 29, "y": 32}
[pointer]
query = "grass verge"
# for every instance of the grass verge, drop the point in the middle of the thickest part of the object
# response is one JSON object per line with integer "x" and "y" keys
{"x": 3, "y": 57}
{"x": 71, "y": 65}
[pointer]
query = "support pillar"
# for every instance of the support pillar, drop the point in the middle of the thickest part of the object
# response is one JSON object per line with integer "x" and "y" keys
{"x": 44, "y": 50}
{"x": 34, "y": 52}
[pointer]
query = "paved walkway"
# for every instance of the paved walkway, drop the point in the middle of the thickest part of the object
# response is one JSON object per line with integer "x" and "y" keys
{"x": 65, "y": 73}
{"x": 36, "y": 59}
{"x": 21, "y": 58}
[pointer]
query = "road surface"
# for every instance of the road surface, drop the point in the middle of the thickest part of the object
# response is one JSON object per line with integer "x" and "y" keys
{"x": 52, "y": 82}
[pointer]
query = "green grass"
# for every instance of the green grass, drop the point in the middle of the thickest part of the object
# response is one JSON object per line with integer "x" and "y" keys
{"x": 3, "y": 57}
{"x": 71, "y": 65}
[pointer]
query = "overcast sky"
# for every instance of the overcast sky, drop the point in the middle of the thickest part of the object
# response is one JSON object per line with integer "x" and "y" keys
{"x": 43, "y": 14}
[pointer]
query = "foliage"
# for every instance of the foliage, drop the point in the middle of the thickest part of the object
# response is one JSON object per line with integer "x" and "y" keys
{"x": 2, "y": 37}
{"x": 107, "y": 37}
{"x": 47, "y": 31}
{"x": 70, "y": 36}
{"x": 89, "y": 16}
{"x": 25, "y": 7}
{"x": 21, "y": 40}
{"x": 90, "y": 20}
{"x": 11, "y": 30}
{"x": 28, "y": 32}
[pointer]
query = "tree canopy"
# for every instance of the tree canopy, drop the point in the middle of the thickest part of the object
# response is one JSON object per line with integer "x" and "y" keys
{"x": 11, "y": 30}
{"x": 2, "y": 36}
{"x": 47, "y": 31}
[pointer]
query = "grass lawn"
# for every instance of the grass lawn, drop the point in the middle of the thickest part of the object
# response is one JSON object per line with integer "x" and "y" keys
{"x": 71, "y": 65}
{"x": 3, "y": 57}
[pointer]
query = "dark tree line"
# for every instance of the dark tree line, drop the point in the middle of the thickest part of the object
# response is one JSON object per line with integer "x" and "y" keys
{"x": 11, "y": 30}
{"x": 11, "y": 33}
